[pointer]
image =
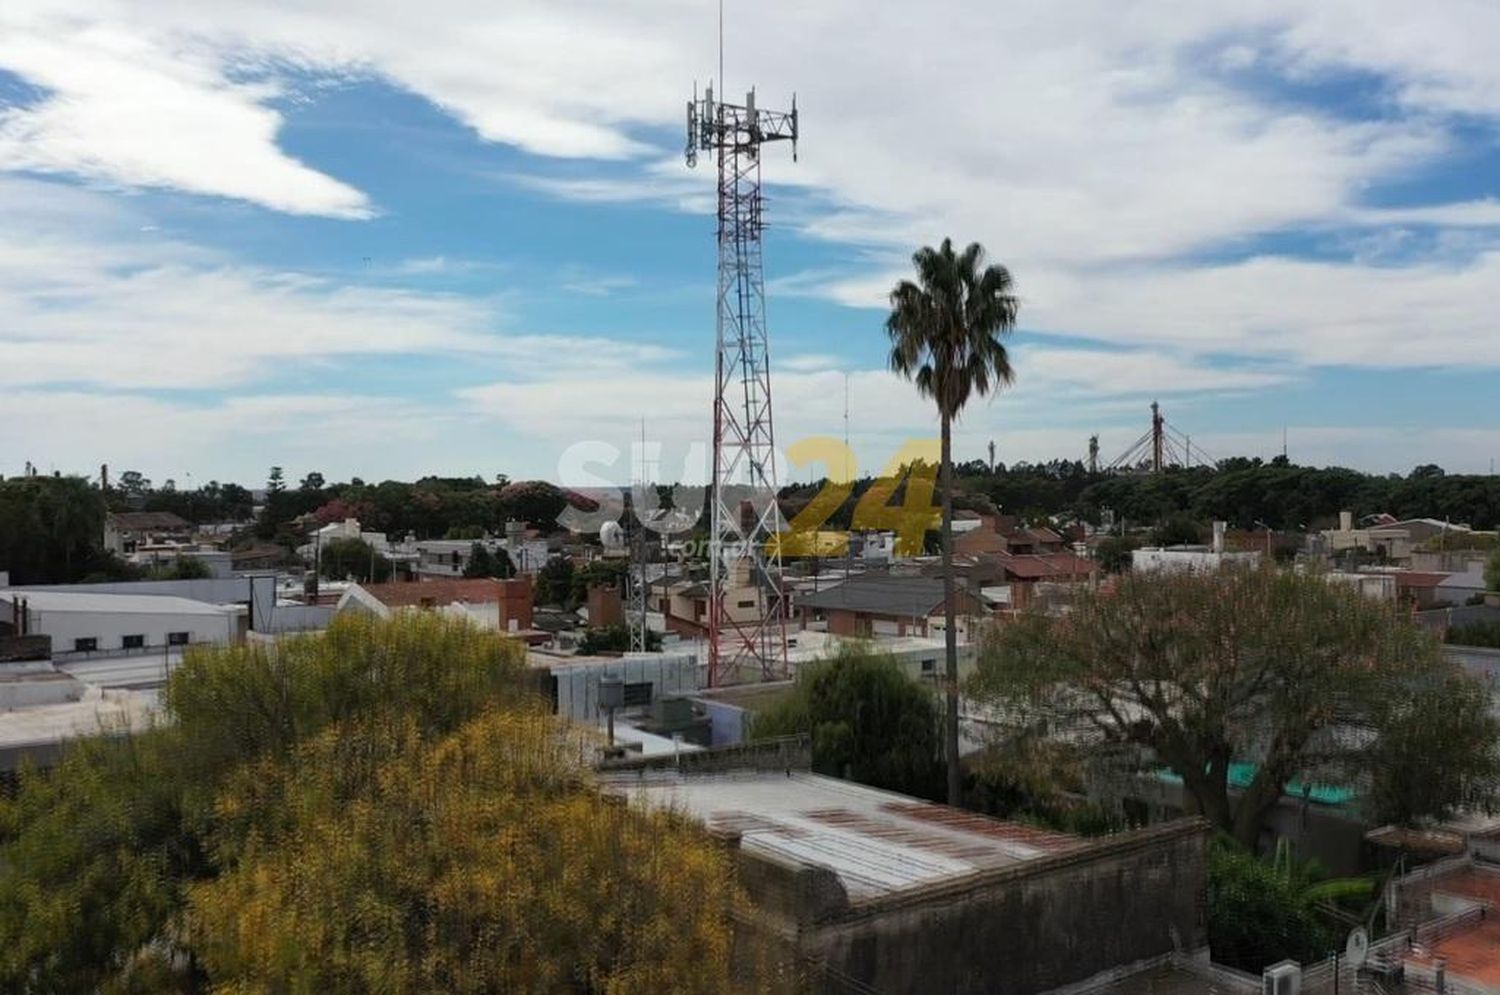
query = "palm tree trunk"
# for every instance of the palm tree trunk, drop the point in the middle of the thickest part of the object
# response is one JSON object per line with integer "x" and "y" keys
{"x": 950, "y": 631}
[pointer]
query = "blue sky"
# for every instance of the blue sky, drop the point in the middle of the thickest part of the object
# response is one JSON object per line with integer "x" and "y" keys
{"x": 381, "y": 241}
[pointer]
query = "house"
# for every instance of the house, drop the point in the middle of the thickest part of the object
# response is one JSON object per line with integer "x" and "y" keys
{"x": 1389, "y": 539}
{"x": 493, "y": 604}
{"x": 1026, "y": 575}
{"x": 1421, "y": 588}
{"x": 876, "y": 891}
{"x": 684, "y": 603}
{"x": 126, "y": 531}
{"x": 882, "y": 604}
{"x": 1004, "y": 534}
{"x": 435, "y": 558}
{"x": 1166, "y": 559}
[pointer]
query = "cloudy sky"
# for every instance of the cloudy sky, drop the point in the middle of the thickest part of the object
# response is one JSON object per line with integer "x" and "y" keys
{"x": 390, "y": 238}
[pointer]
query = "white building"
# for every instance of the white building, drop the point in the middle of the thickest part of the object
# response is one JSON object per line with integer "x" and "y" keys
{"x": 1159, "y": 559}
{"x": 573, "y": 682}
{"x": 90, "y": 622}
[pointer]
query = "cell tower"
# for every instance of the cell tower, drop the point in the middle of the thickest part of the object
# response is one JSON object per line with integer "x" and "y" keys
{"x": 743, "y": 637}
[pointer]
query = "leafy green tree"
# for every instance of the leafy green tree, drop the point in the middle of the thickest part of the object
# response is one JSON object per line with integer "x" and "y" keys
{"x": 534, "y": 502}
{"x": 869, "y": 721}
{"x": 614, "y": 639}
{"x": 1177, "y": 530}
{"x": 276, "y": 482}
{"x": 180, "y": 568}
{"x": 1258, "y": 915}
{"x": 1297, "y": 677}
{"x": 354, "y": 558}
{"x": 554, "y": 583}
{"x": 946, "y": 330}
{"x": 134, "y": 483}
{"x": 1113, "y": 553}
{"x": 52, "y": 531}
{"x": 483, "y": 563}
{"x": 312, "y": 482}
{"x": 1492, "y": 572}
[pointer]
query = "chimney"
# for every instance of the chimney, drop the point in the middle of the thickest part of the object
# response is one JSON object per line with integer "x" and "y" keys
{"x": 1219, "y": 528}
{"x": 1346, "y": 521}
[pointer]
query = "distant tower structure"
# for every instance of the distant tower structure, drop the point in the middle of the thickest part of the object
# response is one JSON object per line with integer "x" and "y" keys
{"x": 1156, "y": 438}
{"x": 743, "y": 506}
{"x": 1161, "y": 447}
{"x": 992, "y": 456}
{"x": 1093, "y": 454}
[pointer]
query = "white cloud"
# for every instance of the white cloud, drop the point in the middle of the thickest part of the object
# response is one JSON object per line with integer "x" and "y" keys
{"x": 130, "y": 109}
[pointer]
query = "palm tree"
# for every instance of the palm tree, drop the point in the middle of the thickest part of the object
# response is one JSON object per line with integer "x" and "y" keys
{"x": 945, "y": 334}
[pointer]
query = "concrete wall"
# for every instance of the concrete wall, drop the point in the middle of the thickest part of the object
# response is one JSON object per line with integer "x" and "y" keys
{"x": 301, "y": 618}
{"x": 1032, "y": 927}
{"x": 111, "y": 627}
{"x": 578, "y": 683}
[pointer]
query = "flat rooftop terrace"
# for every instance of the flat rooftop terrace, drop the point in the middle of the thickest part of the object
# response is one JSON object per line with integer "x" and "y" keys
{"x": 877, "y": 843}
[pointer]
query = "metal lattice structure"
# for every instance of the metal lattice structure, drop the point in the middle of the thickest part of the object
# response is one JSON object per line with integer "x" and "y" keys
{"x": 746, "y": 605}
{"x": 1161, "y": 447}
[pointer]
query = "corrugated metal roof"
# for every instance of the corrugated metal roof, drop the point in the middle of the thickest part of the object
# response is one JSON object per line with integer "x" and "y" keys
{"x": 875, "y": 841}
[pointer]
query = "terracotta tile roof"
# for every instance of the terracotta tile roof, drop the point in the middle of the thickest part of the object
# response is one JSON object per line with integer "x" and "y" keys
{"x": 139, "y": 521}
{"x": 415, "y": 594}
{"x": 1045, "y": 566}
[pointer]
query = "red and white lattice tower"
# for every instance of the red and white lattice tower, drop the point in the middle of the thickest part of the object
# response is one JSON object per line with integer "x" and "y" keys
{"x": 747, "y": 607}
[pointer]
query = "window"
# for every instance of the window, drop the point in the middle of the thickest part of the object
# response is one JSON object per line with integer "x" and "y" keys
{"x": 178, "y": 638}
{"x": 638, "y": 693}
{"x": 132, "y": 642}
{"x": 85, "y": 645}
{"x": 747, "y": 604}
{"x": 929, "y": 666}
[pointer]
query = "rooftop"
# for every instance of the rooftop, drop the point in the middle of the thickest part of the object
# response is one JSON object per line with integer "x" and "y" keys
{"x": 139, "y": 521}
{"x": 877, "y": 843}
{"x": 881, "y": 594}
{"x": 41, "y": 726}
{"x": 98, "y": 601}
{"x": 1040, "y": 566}
{"x": 415, "y": 594}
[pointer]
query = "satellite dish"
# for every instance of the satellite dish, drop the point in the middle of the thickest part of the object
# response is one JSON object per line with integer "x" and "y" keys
{"x": 612, "y": 535}
{"x": 1357, "y": 947}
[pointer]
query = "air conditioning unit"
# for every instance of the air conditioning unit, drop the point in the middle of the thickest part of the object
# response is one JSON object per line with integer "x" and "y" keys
{"x": 1284, "y": 978}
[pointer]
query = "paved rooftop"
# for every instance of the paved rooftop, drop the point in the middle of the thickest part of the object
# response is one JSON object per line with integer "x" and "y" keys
{"x": 876, "y": 842}
{"x": 40, "y": 727}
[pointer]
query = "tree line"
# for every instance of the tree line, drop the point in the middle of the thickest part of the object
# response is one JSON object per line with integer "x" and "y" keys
{"x": 1240, "y": 491}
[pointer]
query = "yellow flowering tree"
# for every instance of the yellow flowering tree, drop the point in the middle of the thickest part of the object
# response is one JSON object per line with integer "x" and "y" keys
{"x": 380, "y": 807}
